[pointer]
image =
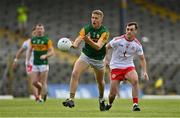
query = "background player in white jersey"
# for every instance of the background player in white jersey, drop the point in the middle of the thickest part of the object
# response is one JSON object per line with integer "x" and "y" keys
{"x": 24, "y": 47}
{"x": 124, "y": 48}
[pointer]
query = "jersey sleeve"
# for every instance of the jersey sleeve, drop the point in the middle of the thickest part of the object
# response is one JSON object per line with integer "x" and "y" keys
{"x": 139, "y": 50}
{"x": 82, "y": 33}
{"x": 113, "y": 43}
{"x": 104, "y": 37}
{"x": 50, "y": 44}
{"x": 25, "y": 45}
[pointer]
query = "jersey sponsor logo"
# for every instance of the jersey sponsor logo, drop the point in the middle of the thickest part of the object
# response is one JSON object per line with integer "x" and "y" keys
{"x": 40, "y": 47}
{"x": 121, "y": 45}
{"x": 38, "y": 42}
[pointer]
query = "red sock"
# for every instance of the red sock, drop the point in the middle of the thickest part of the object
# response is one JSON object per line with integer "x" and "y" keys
{"x": 135, "y": 100}
{"x": 36, "y": 97}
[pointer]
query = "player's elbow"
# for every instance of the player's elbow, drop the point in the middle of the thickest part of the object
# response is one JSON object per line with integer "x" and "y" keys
{"x": 52, "y": 53}
{"x": 98, "y": 48}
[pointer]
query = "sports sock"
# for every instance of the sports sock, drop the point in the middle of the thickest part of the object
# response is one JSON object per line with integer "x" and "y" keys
{"x": 72, "y": 95}
{"x": 135, "y": 100}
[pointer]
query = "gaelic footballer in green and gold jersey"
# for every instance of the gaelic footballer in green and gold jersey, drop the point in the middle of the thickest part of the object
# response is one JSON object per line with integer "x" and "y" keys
{"x": 95, "y": 35}
{"x": 40, "y": 45}
{"x": 42, "y": 48}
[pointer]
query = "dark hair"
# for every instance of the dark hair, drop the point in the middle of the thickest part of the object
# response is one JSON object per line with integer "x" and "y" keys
{"x": 133, "y": 23}
{"x": 39, "y": 24}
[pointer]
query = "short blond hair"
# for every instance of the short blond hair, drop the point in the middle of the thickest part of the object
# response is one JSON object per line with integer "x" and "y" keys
{"x": 98, "y": 12}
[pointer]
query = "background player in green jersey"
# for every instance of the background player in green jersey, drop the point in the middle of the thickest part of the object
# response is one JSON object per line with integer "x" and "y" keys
{"x": 42, "y": 49}
{"x": 95, "y": 36}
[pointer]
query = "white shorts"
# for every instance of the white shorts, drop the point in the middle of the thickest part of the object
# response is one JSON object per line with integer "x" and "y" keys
{"x": 98, "y": 64}
{"x": 40, "y": 68}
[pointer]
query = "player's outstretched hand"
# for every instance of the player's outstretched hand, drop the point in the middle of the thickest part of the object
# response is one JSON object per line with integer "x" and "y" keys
{"x": 15, "y": 63}
{"x": 146, "y": 77}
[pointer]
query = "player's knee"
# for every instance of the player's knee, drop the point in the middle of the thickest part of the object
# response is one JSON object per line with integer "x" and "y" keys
{"x": 101, "y": 82}
{"x": 35, "y": 83}
{"x": 135, "y": 81}
{"x": 75, "y": 74}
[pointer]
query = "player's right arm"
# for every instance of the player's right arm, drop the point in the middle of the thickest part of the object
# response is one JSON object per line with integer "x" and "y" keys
{"x": 79, "y": 39}
{"x": 18, "y": 55}
{"x": 29, "y": 52}
{"x": 77, "y": 42}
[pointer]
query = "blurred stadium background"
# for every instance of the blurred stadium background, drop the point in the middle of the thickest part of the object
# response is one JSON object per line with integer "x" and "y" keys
{"x": 159, "y": 22}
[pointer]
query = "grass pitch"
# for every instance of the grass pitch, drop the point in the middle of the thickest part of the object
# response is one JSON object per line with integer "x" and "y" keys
{"x": 88, "y": 108}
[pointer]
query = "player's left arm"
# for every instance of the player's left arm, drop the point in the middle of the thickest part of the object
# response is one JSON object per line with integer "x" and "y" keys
{"x": 50, "y": 51}
{"x": 143, "y": 66}
{"x": 97, "y": 45}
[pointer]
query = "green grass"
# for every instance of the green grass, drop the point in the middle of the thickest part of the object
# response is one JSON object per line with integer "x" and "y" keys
{"x": 88, "y": 108}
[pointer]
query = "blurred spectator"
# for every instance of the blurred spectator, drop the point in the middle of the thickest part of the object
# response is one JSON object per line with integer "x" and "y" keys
{"x": 22, "y": 18}
{"x": 159, "y": 86}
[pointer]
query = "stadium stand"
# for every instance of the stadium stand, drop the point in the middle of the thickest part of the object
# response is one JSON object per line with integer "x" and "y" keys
{"x": 64, "y": 19}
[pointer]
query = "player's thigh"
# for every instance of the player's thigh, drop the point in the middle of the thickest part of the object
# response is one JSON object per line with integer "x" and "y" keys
{"x": 99, "y": 74}
{"x": 34, "y": 76}
{"x": 43, "y": 76}
{"x": 132, "y": 76}
{"x": 80, "y": 66}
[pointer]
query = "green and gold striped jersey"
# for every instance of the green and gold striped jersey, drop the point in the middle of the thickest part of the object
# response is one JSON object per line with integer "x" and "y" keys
{"x": 40, "y": 46}
{"x": 95, "y": 34}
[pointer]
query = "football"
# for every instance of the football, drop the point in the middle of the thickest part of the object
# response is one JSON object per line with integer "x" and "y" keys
{"x": 64, "y": 44}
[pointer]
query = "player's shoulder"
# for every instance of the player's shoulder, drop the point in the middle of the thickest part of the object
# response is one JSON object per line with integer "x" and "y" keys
{"x": 118, "y": 37}
{"x": 27, "y": 41}
{"x": 137, "y": 42}
{"x": 87, "y": 27}
{"x": 104, "y": 28}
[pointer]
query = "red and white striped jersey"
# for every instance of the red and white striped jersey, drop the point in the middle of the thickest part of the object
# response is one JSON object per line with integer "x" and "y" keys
{"x": 25, "y": 46}
{"x": 124, "y": 52}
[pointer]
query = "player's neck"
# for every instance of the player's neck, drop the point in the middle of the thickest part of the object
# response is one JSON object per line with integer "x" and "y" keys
{"x": 40, "y": 35}
{"x": 129, "y": 38}
{"x": 97, "y": 27}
